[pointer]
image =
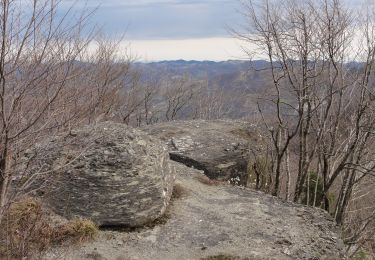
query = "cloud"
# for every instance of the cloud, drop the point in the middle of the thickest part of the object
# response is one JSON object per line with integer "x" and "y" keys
{"x": 171, "y": 29}
{"x": 165, "y": 19}
{"x": 214, "y": 49}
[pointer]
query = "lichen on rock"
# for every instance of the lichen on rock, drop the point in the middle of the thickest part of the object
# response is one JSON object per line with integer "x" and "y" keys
{"x": 110, "y": 173}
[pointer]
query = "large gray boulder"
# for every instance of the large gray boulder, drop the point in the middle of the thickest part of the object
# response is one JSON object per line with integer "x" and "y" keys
{"x": 220, "y": 148}
{"x": 109, "y": 173}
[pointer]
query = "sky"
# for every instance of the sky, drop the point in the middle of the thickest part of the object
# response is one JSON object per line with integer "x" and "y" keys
{"x": 157, "y": 30}
{"x": 171, "y": 29}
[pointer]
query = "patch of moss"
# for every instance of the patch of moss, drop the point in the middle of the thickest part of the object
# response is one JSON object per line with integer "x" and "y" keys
{"x": 361, "y": 255}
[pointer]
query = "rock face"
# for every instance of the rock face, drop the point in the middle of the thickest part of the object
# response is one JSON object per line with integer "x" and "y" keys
{"x": 219, "y": 148}
{"x": 209, "y": 221}
{"x": 109, "y": 173}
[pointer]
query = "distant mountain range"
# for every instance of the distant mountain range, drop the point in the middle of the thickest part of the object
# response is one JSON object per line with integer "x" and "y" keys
{"x": 200, "y": 69}
{"x": 240, "y": 82}
{"x": 231, "y": 75}
{"x": 204, "y": 69}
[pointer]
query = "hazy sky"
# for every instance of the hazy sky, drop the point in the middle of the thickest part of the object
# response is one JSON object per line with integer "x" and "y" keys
{"x": 172, "y": 29}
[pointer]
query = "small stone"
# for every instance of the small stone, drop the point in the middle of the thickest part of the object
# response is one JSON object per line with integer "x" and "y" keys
{"x": 287, "y": 251}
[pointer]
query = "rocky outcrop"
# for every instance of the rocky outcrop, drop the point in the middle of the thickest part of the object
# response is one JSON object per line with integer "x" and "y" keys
{"x": 224, "y": 220}
{"x": 219, "y": 148}
{"x": 109, "y": 173}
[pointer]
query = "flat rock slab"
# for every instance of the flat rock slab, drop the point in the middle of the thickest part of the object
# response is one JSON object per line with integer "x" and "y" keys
{"x": 221, "y": 220}
{"x": 220, "y": 148}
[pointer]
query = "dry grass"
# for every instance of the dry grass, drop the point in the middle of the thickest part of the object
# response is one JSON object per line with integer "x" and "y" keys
{"x": 245, "y": 134}
{"x": 26, "y": 231}
{"x": 207, "y": 181}
{"x": 76, "y": 230}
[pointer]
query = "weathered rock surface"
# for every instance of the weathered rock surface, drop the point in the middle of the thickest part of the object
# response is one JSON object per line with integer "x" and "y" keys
{"x": 220, "y": 148}
{"x": 221, "y": 220}
{"x": 109, "y": 173}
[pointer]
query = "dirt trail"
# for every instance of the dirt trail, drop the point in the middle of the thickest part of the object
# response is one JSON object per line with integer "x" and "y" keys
{"x": 214, "y": 220}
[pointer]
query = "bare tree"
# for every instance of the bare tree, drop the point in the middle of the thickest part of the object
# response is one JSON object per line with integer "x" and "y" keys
{"x": 49, "y": 80}
{"x": 212, "y": 101}
{"x": 150, "y": 110}
{"x": 323, "y": 109}
{"x": 178, "y": 93}
{"x": 134, "y": 100}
